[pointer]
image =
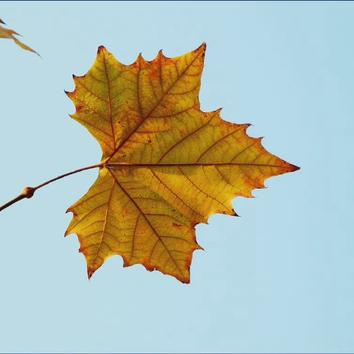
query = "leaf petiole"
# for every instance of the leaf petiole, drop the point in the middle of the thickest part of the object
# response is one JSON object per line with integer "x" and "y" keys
{"x": 28, "y": 192}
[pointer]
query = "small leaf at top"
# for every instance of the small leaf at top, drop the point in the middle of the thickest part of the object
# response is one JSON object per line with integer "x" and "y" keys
{"x": 10, "y": 34}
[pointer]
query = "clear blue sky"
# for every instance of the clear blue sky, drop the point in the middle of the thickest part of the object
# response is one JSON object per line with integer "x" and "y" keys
{"x": 278, "y": 279}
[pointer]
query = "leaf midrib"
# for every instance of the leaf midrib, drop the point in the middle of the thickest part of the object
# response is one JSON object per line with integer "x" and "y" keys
{"x": 114, "y": 165}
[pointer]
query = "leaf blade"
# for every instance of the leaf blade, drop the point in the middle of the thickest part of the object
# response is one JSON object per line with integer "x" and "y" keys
{"x": 166, "y": 165}
{"x": 7, "y": 33}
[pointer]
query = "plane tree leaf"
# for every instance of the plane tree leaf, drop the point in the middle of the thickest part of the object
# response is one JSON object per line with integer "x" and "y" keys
{"x": 166, "y": 164}
{"x": 11, "y": 34}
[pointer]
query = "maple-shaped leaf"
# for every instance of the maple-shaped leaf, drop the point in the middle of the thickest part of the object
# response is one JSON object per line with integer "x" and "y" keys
{"x": 166, "y": 165}
{"x": 11, "y": 34}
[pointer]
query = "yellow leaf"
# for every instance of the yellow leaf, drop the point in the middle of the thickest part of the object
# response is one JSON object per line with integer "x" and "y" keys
{"x": 10, "y": 34}
{"x": 166, "y": 165}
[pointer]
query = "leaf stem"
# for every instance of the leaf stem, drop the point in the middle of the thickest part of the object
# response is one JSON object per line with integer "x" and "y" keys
{"x": 28, "y": 192}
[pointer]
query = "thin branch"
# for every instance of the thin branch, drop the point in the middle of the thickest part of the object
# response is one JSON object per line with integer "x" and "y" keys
{"x": 13, "y": 201}
{"x": 28, "y": 192}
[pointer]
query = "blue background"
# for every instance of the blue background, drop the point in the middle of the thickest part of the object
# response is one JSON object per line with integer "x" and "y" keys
{"x": 280, "y": 278}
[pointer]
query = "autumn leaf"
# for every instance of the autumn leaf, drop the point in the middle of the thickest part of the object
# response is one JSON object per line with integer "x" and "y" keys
{"x": 11, "y": 34}
{"x": 166, "y": 165}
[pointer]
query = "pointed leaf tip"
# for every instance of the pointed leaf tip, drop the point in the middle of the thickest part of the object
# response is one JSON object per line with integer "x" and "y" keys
{"x": 140, "y": 58}
{"x": 101, "y": 49}
{"x": 90, "y": 273}
{"x": 234, "y": 213}
{"x": 185, "y": 280}
{"x": 201, "y": 48}
{"x": 294, "y": 168}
